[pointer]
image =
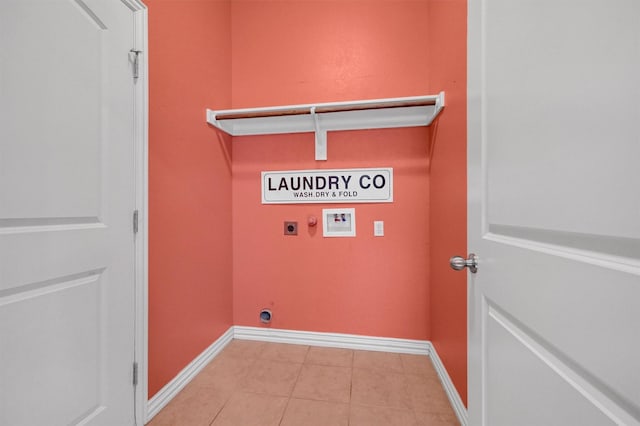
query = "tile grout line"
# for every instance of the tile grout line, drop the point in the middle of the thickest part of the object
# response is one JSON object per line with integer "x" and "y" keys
{"x": 294, "y": 385}
{"x": 238, "y": 387}
{"x": 352, "y": 362}
{"x": 226, "y": 399}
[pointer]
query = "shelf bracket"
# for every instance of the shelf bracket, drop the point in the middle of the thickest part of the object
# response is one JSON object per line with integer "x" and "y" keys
{"x": 439, "y": 105}
{"x": 320, "y": 136}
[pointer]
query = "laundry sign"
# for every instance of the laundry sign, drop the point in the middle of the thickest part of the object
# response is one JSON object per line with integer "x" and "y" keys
{"x": 328, "y": 186}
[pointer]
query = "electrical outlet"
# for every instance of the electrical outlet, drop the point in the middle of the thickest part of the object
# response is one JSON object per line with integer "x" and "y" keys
{"x": 291, "y": 228}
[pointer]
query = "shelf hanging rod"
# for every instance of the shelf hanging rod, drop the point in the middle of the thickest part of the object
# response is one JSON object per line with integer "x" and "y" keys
{"x": 307, "y": 110}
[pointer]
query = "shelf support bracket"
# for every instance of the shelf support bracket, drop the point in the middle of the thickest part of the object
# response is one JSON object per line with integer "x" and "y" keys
{"x": 439, "y": 104}
{"x": 321, "y": 137}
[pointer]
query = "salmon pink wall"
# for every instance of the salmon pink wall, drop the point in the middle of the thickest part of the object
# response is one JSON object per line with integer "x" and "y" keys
{"x": 190, "y": 283}
{"x": 366, "y": 285}
{"x": 292, "y": 51}
{"x": 287, "y": 52}
{"x": 448, "y": 54}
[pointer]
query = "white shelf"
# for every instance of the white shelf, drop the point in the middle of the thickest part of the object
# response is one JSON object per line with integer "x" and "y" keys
{"x": 320, "y": 118}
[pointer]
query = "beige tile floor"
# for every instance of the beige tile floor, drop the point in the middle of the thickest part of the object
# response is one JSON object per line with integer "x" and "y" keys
{"x": 273, "y": 384}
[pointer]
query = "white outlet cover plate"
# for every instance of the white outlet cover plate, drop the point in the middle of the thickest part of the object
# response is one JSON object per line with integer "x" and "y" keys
{"x": 378, "y": 228}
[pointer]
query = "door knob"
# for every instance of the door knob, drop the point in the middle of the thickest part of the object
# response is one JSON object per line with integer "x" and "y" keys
{"x": 459, "y": 263}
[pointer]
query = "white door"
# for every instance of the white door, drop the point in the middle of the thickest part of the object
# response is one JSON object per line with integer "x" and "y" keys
{"x": 66, "y": 203}
{"x": 554, "y": 212}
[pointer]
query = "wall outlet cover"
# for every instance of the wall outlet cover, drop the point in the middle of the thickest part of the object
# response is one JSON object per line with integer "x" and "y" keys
{"x": 290, "y": 228}
{"x": 378, "y": 228}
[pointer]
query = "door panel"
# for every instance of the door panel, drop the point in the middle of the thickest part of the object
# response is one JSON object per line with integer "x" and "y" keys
{"x": 52, "y": 351}
{"x": 566, "y": 94}
{"x": 552, "y": 213}
{"x": 66, "y": 204}
{"x": 511, "y": 352}
{"x": 55, "y": 115}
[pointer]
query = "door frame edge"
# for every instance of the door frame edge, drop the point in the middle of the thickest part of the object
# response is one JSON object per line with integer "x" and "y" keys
{"x": 141, "y": 120}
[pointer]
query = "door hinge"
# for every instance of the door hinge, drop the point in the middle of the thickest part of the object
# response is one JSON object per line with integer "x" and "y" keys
{"x": 135, "y": 221}
{"x": 134, "y": 55}
{"x": 135, "y": 374}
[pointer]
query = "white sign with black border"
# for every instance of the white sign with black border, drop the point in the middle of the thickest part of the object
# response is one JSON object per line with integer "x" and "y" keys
{"x": 328, "y": 186}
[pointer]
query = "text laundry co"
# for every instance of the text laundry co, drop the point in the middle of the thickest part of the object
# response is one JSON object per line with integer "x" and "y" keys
{"x": 304, "y": 183}
{"x": 328, "y": 186}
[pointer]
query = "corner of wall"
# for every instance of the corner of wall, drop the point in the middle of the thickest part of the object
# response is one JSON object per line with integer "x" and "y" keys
{"x": 447, "y": 22}
{"x": 190, "y": 275}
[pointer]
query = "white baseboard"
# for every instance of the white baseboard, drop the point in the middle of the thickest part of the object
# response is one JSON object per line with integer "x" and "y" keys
{"x": 450, "y": 389}
{"x": 335, "y": 340}
{"x": 171, "y": 389}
